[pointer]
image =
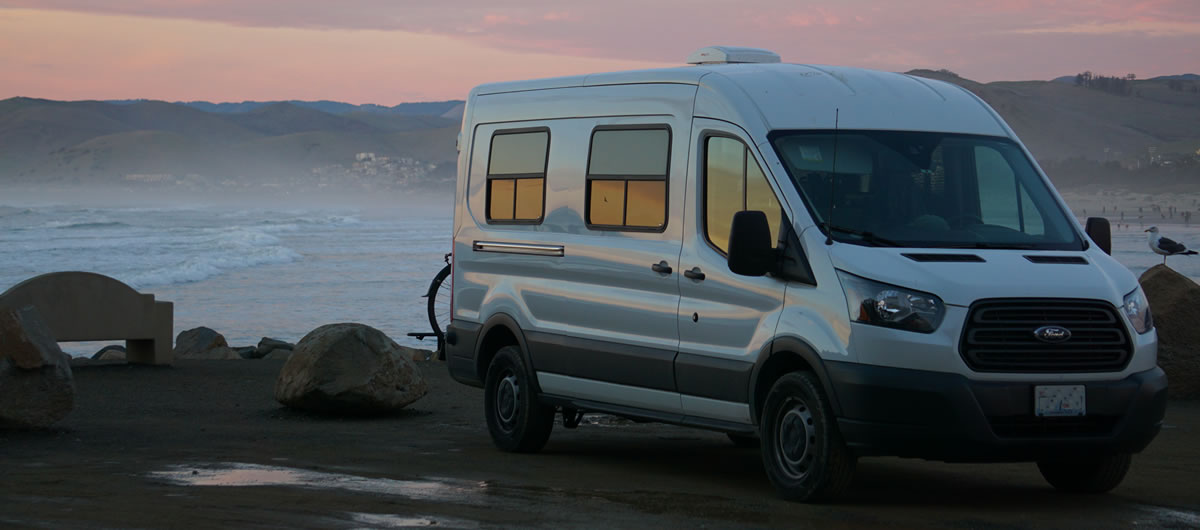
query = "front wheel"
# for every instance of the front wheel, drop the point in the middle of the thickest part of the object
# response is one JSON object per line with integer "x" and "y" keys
{"x": 515, "y": 418}
{"x": 1089, "y": 474}
{"x": 802, "y": 451}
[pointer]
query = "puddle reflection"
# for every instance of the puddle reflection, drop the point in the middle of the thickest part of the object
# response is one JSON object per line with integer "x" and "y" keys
{"x": 378, "y": 520}
{"x": 243, "y": 475}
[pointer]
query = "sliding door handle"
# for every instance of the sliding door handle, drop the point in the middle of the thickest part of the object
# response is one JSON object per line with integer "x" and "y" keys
{"x": 661, "y": 267}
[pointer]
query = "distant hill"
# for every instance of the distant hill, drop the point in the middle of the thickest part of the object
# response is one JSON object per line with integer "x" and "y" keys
{"x": 427, "y": 108}
{"x": 1078, "y": 134}
{"x": 1058, "y": 121}
{"x": 1180, "y": 77}
{"x": 95, "y": 141}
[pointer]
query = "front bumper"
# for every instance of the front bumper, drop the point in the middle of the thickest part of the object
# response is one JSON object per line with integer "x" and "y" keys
{"x": 944, "y": 416}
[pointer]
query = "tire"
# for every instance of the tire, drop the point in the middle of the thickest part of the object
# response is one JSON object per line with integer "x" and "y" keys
{"x": 438, "y": 304}
{"x": 516, "y": 420}
{"x": 808, "y": 465}
{"x": 743, "y": 440}
{"x": 1090, "y": 474}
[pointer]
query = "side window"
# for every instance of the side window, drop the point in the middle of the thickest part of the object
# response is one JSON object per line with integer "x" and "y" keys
{"x": 627, "y": 178}
{"x": 516, "y": 176}
{"x": 734, "y": 182}
{"x": 1002, "y": 199}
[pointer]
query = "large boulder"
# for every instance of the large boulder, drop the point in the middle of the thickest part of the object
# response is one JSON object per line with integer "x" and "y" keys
{"x": 279, "y": 354}
{"x": 1175, "y": 304}
{"x": 268, "y": 345}
{"x": 203, "y": 343}
{"x": 349, "y": 368}
{"x": 37, "y": 387}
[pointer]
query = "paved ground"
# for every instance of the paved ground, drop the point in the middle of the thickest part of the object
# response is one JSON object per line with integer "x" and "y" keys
{"x": 203, "y": 444}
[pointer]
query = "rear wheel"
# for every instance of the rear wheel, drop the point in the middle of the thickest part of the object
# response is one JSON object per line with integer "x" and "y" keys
{"x": 1089, "y": 474}
{"x": 515, "y": 418}
{"x": 802, "y": 451}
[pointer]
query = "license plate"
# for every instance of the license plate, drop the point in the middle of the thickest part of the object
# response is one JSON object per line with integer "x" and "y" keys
{"x": 1059, "y": 400}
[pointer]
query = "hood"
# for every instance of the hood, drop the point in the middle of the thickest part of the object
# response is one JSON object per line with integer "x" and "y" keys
{"x": 1001, "y": 274}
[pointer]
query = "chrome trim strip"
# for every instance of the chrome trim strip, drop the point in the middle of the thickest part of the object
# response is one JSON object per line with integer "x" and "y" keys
{"x": 518, "y": 248}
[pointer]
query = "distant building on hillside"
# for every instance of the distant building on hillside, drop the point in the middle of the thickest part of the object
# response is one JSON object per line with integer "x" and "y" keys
{"x": 365, "y": 157}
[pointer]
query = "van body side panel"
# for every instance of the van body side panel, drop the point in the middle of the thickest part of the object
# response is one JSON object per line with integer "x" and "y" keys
{"x": 598, "y": 311}
{"x": 606, "y": 361}
{"x": 818, "y": 315}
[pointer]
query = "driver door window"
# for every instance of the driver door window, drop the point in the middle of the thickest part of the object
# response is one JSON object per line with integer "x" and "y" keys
{"x": 733, "y": 182}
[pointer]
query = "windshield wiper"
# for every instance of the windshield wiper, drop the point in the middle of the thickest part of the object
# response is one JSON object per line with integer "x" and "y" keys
{"x": 868, "y": 237}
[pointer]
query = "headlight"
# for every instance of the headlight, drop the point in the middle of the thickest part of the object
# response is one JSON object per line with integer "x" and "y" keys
{"x": 889, "y": 306}
{"x": 1137, "y": 310}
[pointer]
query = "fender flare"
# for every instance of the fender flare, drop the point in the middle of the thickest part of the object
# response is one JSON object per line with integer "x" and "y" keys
{"x": 800, "y": 348}
{"x": 510, "y": 324}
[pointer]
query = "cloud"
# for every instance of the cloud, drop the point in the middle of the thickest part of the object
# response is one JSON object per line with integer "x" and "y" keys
{"x": 981, "y": 39}
{"x": 1148, "y": 28}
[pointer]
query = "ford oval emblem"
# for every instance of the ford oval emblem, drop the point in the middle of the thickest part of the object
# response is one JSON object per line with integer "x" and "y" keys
{"x": 1052, "y": 334}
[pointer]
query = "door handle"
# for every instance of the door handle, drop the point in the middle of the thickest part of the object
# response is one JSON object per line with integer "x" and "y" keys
{"x": 695, "y": 274}
{"x": 661, "y": 267}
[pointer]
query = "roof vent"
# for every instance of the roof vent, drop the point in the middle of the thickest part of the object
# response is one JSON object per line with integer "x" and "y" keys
{"x": 732, "y": 54}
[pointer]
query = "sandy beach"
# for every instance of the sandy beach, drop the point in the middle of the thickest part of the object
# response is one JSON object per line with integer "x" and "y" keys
{"x": 203, "y": 444}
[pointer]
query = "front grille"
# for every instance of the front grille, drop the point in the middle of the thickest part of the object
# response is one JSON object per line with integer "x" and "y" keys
{"x": 1033, "y": 426}
{"x": 999, "y": 336}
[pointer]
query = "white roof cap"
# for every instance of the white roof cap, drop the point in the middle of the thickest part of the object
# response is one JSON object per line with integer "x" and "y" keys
{"x": 732, "y": 54}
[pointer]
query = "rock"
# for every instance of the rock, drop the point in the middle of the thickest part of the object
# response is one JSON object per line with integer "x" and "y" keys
{"x": 203, "y": 343}
{"x": 37, "y": 387}
{"x": 267, "y": 345}
{"x": 112, "y": 355}
{"x": 246, "y": 352}
{"x": 417, "y": 354}
{"x": 349, "y": 368}
{"x": 99, "y": 355}
{"x": 279, "y": 354}
{"x": 1175, "y": 305}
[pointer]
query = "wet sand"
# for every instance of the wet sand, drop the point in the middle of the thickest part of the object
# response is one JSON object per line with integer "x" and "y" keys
{"x": 203, "y": 444}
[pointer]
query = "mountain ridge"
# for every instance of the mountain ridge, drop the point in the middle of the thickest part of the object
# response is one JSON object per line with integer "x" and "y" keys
{"x": 1150, "y": 122}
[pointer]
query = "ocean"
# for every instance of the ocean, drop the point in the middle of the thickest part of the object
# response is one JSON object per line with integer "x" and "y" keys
{"x": 251, "y": 271}
{"x": 244, "y": 272}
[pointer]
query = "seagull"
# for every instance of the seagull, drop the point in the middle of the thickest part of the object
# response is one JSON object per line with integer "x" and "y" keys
{"x": 1166, "y": 247}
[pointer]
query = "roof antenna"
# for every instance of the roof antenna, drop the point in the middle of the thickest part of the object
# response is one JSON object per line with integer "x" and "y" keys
{"x": 832, "y": 179}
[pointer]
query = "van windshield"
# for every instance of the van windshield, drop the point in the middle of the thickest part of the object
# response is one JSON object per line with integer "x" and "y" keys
{"x": 918, "y": 189}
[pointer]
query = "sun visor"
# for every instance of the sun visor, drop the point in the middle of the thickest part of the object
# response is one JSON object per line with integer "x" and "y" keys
{"x": 815, "y": 153}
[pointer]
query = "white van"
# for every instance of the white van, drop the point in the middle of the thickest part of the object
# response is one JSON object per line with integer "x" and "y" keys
{"x": 840, "y": 262}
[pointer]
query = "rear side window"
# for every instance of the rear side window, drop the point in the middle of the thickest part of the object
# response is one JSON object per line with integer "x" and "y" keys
{"x": 733, "y": 182}
{"x": 516, "y": 176}
{"x": 627, "y": 178}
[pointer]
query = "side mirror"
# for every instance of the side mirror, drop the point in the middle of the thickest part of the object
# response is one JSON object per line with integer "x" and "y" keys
{"x": 750, "y": 249}
{"x": 1099, "y": 230}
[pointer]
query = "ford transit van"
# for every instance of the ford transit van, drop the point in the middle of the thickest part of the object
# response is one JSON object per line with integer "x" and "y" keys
{"x": 832, "y": 261}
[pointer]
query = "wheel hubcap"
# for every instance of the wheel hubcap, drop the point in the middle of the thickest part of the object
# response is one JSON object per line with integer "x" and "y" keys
{"x": 507, "y": 394}
{"x": 795, "y": 440}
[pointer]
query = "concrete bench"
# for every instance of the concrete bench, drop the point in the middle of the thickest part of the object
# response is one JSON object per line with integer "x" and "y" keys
{"x": 84, "y": 306}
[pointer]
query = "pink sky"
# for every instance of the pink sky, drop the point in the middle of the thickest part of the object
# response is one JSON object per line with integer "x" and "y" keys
{"x": 387, "y": 52}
